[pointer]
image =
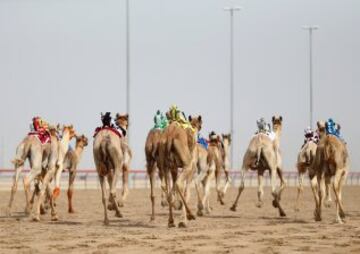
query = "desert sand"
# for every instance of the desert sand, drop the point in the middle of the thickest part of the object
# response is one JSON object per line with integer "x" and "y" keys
{"x": 249, "y": 230}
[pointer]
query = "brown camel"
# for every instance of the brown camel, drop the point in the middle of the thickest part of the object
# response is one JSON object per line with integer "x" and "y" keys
{"x": 305, "y": 159}
{"x": 263, "y": 153}
{"x": 54, "y": 164}
{"x": 72, "y": 160}
{"x": 177, "y": 146}
{"x": 152, "y": 160}
{"x": 331, "y": 160}
{"x": 38, "y": 155}
{"x": 109, "y": 161}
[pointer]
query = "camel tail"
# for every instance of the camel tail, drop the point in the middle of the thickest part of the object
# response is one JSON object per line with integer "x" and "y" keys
{"x": 104, "y": 148}
{"x": 308, "y": 157}
{"x": 258, "y": 155}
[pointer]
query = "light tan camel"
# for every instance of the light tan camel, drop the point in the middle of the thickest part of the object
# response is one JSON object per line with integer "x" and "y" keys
{"x": 331, "y": 160}
{"x": 109, "y": 161}
{"x": 122, "y": 121}
{"x": 263, "y": 153}
{"x": 305, "y": 159}
{"x": 177, "y": 146}
{"x": 217, "y": 159}
{"x": 72, "y": 160}
{"x": 38, "y": 155}
{"x": 54, "y": 164}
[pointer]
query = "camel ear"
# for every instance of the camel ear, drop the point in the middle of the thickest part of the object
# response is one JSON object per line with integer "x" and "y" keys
{"x": 127, "y": 116}
{"x": 190, "y": 118}
{"x": 273, "y": 119}
{"x": 318, "y": 124}
{"x": 281, "y": 118}
{"x": 200, "y": 118}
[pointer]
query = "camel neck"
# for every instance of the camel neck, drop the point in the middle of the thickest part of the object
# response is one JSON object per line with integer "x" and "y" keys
{"x": 78, "y": 151}
{"x": 65, "y": 140}
{"x": 226, "y": 154}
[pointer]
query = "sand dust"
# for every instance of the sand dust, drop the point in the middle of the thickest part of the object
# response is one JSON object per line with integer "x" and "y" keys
{"x": 249, "y": 230}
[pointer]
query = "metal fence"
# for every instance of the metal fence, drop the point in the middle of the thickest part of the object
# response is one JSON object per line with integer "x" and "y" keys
{"x": 88, "y": 179}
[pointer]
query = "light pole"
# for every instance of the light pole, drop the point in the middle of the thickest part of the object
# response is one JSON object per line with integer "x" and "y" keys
{"x": 127, "y": 61}
{"x": 311, "y": 29}
{"x": 231, "y": 11}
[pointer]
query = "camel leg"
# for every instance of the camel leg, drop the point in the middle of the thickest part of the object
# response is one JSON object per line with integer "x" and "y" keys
{"x": 72, "y": 175}
{"x": 276, "y": 194}
{"x": 282, "y": 182}
{"x": 315, "y": 190}
{"x": 58, "y": 171}
{"x": 182, "y": 185}
{"x": 300, "y": 190}
{"x": 341, "y": 185}
{"x": 337, "y": 186}
{"x": 28, "y": 179}
{"x": 112, "y": 182}
{"x": 151, "y": 173}
{"x": 227, "y": 183}
{"x": 177, "y": 202}
{"x": 125, "y": 181}
{"x": 241, "y": 188}
{"x": 328, "y": 193}
{"x": 321, "y": 191}
{"x": 18, "y": 169}
{"x": 171, "y": 223}
{"x": 206, "y": 198}
{"x": 104, "y": 199}
{"x": 218, "y": 190}
{"x": 260, "y": 189}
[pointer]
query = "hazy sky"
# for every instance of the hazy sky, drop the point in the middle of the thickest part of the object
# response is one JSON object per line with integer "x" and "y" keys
{"x": 65, "y": 60}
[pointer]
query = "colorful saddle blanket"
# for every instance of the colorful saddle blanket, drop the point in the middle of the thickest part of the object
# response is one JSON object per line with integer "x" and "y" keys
{"x": 98, "y": 129}
{"x": 44, "y": 137}
{"x": 203, "y": 142}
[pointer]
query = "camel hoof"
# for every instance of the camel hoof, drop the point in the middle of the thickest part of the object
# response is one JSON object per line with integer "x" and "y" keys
{"x": 54, "y": 218}
{"x": 111, "y": 207}
{"x": 8, "y": 212}
{"x": 152, "y": 218}
{"x": 118, "y": 214}
{"x": 36, "y": 218}
{"x": 275, "y": 204}
{"x": 177, "y": 205}
{"x": 327, "y": 204}
{"x": 71, "y": 210}
{"x": 342, "y": 214}
{"x": 164, "y": 203}
{"x": 56, "y": 192}
{"x": 317, "y": 216}
{"x": 200, "y": 213}
{"x": 121, "y": 204}
{"x": 171, "y": 224}
{"x": 106, "y": 222}
{"x": 200, "y": 206}
{"x": 339, "y": 221}
{"x": 182, "y": 224}
{"x": 282, "y": 214}
{"x": 233, "y": 208}
{"x": 190, "y": 216}
{"x": 259, "y": 204}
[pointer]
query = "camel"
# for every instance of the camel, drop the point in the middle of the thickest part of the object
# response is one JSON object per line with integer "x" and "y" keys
{"x": 38, "y": 154}
{"x": 177, "y": 146}
{"x": 152, "y": 160}
{"x": 263, "y": 153}
{"x": 217, "y": 159}
{"x": 71, "y": 162}
{"x": 305, "y": 159}
{"x": 55, "y": 163}
{"x": 109, "y": 160}
{"x": 331, "y": 160}
{"x": 122, "y": 121}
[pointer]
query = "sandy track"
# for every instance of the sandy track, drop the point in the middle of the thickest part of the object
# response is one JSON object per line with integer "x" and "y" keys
{"x": 249, "y": 230}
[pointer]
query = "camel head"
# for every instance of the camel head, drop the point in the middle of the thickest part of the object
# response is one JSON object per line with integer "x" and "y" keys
{"x": 70, "y": 129}
{"x": 196, "y": 122}
{"x": 81, "y": 141}
{"x": 321, "y": 128}
{"x": 54, "y": 130}
{"x": 122, "y": 120}
{"x": 277, "y": 123}
{"x": 226, "y": 137}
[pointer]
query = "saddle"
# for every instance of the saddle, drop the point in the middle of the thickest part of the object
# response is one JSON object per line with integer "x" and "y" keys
{"x": 203, "y": 142}
{"x": 43, "y": 136}
{"x": 113, "y": 129}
